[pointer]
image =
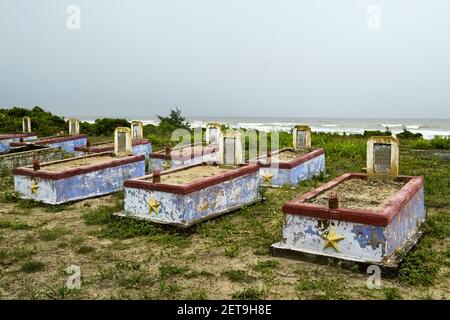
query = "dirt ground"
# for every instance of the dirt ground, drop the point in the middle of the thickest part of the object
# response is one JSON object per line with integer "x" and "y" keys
{"x": 223, "y": 258}
{"x": 192, "y": 174}
{"x": 361, "y": 194}
{"x": 76, "y": 163}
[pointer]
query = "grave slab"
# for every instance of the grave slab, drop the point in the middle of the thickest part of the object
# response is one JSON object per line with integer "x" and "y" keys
{"x": 188, "y": 195}
{"x": 66, "y": 143}
{"x": 78, "y": 178}
{"x": 182, "y": 156}
{"x": 373, "y": 220}
{"x": 139, "y": 146}
{"x": 7, "y": 138}
{"x": 290, "y": 167}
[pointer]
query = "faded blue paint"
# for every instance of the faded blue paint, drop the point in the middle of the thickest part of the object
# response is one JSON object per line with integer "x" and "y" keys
{"x": 368, "y": 235}
{"x": 70, "y": 145}
{"x": 406, "y": 222}
{"x": 145, "y": 149}
{"x": 80, "y": 186}
{"x": 185, "y": 210}
{"x": 5, "y": 143}
{"x": 294, "y": 176}
{"x": 361, "y": 242}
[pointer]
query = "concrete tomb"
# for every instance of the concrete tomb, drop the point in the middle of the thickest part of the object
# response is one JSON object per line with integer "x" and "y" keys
{"x": 171, "y": 158}
{"x": 187, "y": 195}
{"x": 67, "y": 143}
{"x": 355, "y": 218}
{"x": 23, "y": 154}
{"x": 290, "y": 167}
{"x": 139, "y": 146}
{"x": 81, "y": 177}
{"x": 6, "y": 139}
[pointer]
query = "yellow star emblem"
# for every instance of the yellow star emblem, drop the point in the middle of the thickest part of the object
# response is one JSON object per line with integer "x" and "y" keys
{"x": 153, "y": 205}
{"x": 267, "y": 177}
{"x": 166, "y": 165}
{"x": 34, "y": 187}
{"x": 203, "y": 205}
{"x": 332, "y": 240}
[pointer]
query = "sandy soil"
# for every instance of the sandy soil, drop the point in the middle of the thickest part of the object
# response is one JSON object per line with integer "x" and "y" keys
{"x": 192, "y": 174}
{"x": 361, "y": 194}
{"x": 288, "y": 155}
{"x": 76, "y": 163}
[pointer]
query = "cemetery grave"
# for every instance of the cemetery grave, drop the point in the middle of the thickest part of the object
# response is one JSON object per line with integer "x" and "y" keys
{"x": 189, "y": 194}
{"x": 171, "y": 158}
{"x": 81, "y": 177}
{"x": 362, "y": 218}
{"x": 139, "y": 144}
{"x": 290, "y": 166}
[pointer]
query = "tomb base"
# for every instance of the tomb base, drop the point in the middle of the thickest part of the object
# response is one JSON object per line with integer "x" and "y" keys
{"x": 191, "y": 194}
{"x": 374, "y": 220}
{"x": 290, "y": 167}
{"x": 77, "y": 178}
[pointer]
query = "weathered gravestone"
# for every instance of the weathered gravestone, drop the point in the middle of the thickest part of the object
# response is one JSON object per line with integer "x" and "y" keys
{"x": 137, "y": 130}
{"x": 231, "y": 148}
{"x": 213, "y": 133}
{"x": 301, "y": 137}
{"x": 74, "y": 126}
{"x": 26, "y": 124}
{"x": 122, "y": 141}
{"x": 382, "y": 157}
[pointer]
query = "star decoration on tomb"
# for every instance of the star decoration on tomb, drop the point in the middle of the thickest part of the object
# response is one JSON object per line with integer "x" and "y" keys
{"x": 166, "y": 165}
{"x": 332, "y": 239}
{"x": 267, "y": 177}
{"x": 203, "y": 205}
{"x": 153, "y": 205}
{"x": 34, "y": 187}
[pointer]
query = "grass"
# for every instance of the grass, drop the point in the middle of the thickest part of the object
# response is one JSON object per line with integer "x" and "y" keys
{"x": 131, "y": 259}
{"x": 169, "y": 270}
{"x": 17, "y": 225}
{"x": 85, "y": 249}
{"x": 249, "y": 293}
{"x": 52, "y": 234}
{"x": 32, "y": 266}
{"x": 240, "y": 276}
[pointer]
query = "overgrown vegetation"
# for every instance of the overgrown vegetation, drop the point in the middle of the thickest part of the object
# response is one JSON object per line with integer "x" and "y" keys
{"x": 227, "y": 257}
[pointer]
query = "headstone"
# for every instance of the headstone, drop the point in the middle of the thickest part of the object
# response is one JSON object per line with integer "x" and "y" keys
{"x": 122, "y": 141}
{"x": 231, "y": 148}
{"x": 26, "y": 124}
{"x": 74, "y": 126}
{"x": 137, "y": 130}
{"x": 301, "y": 137}
{"x": 382, "y": 157}
{"x": 213, "y": 133}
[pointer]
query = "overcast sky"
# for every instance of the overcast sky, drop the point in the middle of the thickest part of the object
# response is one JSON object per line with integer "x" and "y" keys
{"x": 288, "y": 58}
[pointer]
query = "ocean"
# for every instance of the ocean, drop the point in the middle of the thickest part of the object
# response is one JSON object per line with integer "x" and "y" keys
{"x": 427, "y": 127}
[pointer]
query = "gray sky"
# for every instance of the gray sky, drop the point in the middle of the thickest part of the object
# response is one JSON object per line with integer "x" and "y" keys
{"x": 286, "y": 58}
